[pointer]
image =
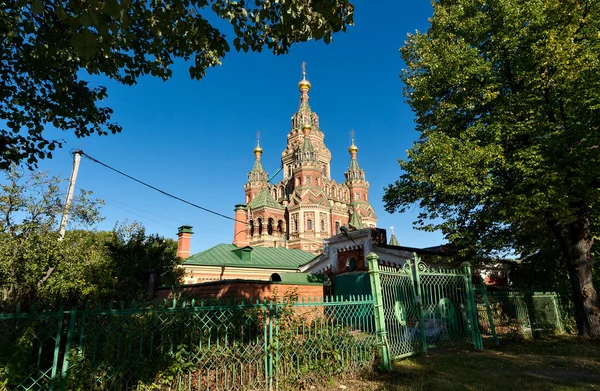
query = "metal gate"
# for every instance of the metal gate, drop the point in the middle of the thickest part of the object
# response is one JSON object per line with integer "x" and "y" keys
{"x": 418, "y": 307}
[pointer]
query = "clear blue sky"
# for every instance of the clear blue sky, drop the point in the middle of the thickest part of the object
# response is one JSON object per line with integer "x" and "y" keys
{"x": 195, "y": 138}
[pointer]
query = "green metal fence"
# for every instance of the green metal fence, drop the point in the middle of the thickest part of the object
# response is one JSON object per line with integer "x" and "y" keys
{"x": 186, "y": 345}
{"x": 418, "y": 306}
{"x": 517, "y": 314}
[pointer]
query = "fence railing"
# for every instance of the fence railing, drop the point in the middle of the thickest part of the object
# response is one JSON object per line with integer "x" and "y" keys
{"x": 517, "y": 314}
{"x": 187, "y": 345}
{"x": 261, "y": 345}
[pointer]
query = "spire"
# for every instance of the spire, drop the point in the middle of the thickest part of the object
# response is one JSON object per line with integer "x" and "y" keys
{"x": 354, "y": 171}
{"x": 393, "y": 239}
{"x": 257, "y": 173}
{"x": 355, "y": 221}
{"x": 307, "y": 151}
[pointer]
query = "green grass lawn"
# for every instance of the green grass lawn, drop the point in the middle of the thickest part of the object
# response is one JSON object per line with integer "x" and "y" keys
{"x": 559, "y": 363}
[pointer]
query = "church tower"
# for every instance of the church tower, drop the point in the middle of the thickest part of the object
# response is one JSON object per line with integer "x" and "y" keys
{"x": 306, "y": 206}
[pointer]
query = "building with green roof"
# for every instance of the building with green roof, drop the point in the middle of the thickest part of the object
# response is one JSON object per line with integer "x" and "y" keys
{"x": 227, "y": 261}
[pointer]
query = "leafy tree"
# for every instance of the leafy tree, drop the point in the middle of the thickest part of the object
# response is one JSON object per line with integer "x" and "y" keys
{"x": 507, "y": 98}
{"x": 46, "y": 44}
{"x": 35, "y": 266}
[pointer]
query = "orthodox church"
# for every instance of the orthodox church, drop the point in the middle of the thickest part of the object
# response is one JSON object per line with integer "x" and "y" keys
{"x": 306, "y": 206}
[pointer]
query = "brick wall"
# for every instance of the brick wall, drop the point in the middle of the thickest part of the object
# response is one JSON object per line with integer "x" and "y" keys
{"x": 243, "y": 289}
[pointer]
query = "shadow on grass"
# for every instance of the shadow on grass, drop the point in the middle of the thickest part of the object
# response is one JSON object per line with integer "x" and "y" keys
{"x": 559, "y": 363}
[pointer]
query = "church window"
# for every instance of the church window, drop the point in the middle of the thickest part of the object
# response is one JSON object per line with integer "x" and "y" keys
{"x": 346, "y": 195}
{"x": 282, "y": 192}
{"x": 357, "y": 196}
{"x": 260, "y": 227}
{"x": 309, "y": 226}
{"x": 308, "y": 180}
{"x": 325, "y": 169}
{"x": 322, "y": 225}
{"x": 339, "y": 195}
{"x": 280, "y": 227}
{"x": 270, "y": 227}
{"x": 251, "y": 228}
{"x": 337, "y": 227}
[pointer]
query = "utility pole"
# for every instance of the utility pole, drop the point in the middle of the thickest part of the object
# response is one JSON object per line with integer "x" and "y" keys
{"x": 63, "y": 222}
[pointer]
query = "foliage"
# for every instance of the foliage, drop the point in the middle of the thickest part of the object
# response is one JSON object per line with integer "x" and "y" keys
{"x": 506, "y": 97}
{"x": 46, "y": 44}
{"x": 35, "y": 266}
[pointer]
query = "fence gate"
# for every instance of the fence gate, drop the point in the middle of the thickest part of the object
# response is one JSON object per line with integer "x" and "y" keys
{"x": 418, "y": 307}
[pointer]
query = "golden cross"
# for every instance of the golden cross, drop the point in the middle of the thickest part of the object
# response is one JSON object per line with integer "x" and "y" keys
{"x": 304, "y": 69}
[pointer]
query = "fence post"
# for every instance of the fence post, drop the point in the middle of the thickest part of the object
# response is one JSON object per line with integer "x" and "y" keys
{"x": 67, "y": 355}
{"x": 486, "y": 301}
{"x": 270, "y": 345}
{"x": 419, "y": 300}
{"x": 56, "y": 347}
{"x": 372, "y": 260}
{"x": 472, "y": 308}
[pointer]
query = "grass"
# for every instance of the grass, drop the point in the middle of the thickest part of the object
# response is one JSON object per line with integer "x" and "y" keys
{"x": 558, "y": 363}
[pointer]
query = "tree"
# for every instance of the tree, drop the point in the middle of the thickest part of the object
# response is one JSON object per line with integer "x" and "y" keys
{"x": 46, "y": 44}
{"x": 37, "y": 267}
{"x": 507, "y": 100}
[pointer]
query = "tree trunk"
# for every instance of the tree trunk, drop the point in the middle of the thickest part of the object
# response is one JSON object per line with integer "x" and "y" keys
{"x": 576, "y": 242}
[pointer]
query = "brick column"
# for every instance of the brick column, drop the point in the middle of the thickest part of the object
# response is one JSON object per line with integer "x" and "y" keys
{"x": 184, "y": 237}
{"x": 239, "y": 226}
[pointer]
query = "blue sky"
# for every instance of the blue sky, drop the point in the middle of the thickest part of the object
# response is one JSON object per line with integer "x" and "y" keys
{"x": 195, "y": 138}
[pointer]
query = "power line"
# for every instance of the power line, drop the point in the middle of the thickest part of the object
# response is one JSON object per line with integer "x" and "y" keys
{"x": 159, "y": 190}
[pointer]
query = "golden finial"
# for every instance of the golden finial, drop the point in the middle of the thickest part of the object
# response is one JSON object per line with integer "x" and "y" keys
{"x": 353, "y": 148}
{"x": 258, "y": 150}
{"x": 304, "y": 84}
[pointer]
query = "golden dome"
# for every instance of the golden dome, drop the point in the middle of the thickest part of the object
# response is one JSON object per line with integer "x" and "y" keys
{"x": 353, "y": 148}
{"x": 303, "y": 84}
{"x": 258, "y": 150}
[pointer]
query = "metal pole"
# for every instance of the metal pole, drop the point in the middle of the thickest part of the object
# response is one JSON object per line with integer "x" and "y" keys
{"x": 63, "y": 222}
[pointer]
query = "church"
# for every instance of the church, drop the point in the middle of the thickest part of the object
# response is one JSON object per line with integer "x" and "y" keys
{"x": 306, "y": 206}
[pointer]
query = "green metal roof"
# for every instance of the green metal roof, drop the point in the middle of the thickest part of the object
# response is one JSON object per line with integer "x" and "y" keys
{"x": 355, "y": 221}
{"x": 257, "y": 167}
{"x": 353, "y": 165}
{"x": 263, "y": 199}
{"x": 259, "y": 257}
{"x": 394, "y": 241}
{"x": 307, "y": 145}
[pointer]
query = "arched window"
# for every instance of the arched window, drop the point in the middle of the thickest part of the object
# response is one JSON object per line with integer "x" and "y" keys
{"x": 280, "y": 226}
{"x": 260, "y": 227}
{"x": 296, "y": 225}
{"x": 309, "y": 226}
{"x": 282, "y": 192}
{"x": 339, "y": 195}
{"x": 270, "y": 227}
{"x": 337, "y": 227}
{"x": 322, "y": 225}
{"x": 251, "y": 228}
{"x": 308, "y": 180}
{"x": 357, "y": 196}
